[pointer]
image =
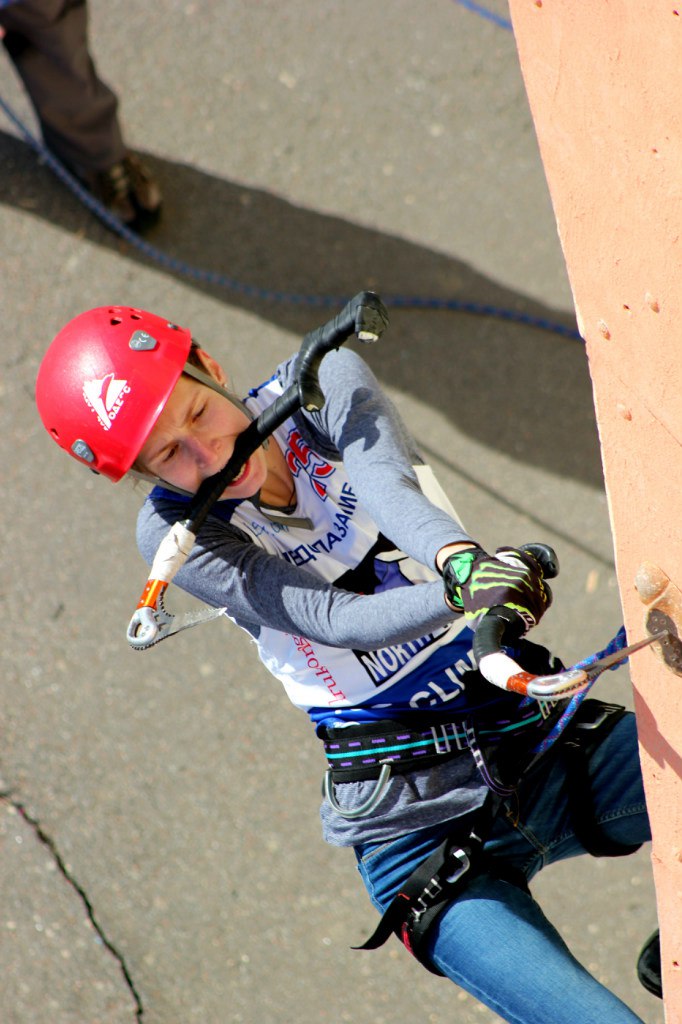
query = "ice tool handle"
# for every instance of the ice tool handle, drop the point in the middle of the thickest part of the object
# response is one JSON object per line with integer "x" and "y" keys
{"x": 503, "y": 624}
{"x": 366, "y": 316}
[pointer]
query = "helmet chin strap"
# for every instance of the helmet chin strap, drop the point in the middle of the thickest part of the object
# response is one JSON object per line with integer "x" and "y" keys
{"x": 210, "y": 382}
{"x": 157, "y": 481}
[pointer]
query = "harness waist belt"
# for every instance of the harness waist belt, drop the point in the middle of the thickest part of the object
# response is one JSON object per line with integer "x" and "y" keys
{"x": 358, "y": 752}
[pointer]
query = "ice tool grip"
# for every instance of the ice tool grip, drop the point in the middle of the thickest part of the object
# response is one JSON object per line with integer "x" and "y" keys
{"x": 366, "y": 316}
{"x": 149, "y": 616}
{"x": 491, "y": 631}
{"x": 501, "y": 624}
{"x": 498, "y": 624}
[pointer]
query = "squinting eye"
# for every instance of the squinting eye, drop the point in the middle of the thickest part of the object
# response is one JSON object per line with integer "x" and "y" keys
{"x": 170, "y": 454}
{"x": 199, "y": 413}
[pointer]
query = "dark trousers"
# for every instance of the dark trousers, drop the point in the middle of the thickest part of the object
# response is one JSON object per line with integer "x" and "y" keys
{"x": 47, "y": 41}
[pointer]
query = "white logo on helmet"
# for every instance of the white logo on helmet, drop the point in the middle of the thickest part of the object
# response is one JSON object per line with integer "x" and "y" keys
{"x": 105, "y": 396}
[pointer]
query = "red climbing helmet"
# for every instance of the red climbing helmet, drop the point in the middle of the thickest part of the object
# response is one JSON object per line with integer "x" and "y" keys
{"x": 104, "y": 381}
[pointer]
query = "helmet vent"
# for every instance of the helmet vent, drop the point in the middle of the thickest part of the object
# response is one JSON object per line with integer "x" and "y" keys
{"x": 115, "y": 321}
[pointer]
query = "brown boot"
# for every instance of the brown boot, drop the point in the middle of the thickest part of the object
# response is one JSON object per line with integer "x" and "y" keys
{"x": 129, "y": 190}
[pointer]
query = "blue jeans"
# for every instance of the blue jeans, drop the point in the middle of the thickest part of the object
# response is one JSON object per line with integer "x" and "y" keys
{"x": 494, "y": 940}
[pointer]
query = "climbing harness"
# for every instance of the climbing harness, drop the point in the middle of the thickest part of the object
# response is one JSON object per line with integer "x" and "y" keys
{"x": 412, "y": 739}
{"x": 358, "y": 752}
{"x": 381, "y": 749}
{"x": 461, "y": 856}
{"x": 378, "y": 750}
{"x": 437, "y": 881}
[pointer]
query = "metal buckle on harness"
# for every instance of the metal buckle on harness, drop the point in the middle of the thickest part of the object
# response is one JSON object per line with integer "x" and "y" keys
{"x": 587, "y": 726}
{"x": 433, "y": 889}
{"x": 442, "y": 739}
{"x": 464, "y": 865}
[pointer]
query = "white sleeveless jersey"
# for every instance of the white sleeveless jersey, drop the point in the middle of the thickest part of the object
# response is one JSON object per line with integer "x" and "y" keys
{"x": 340, "y": 543}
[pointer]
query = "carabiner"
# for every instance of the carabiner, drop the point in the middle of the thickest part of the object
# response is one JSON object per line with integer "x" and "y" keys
{"x": 369, "y": 804}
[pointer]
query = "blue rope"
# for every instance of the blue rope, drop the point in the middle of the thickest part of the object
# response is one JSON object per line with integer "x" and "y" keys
{"x": 483, "y": 12}
{"x": 617, "y": 644}
{"x": 211, "y": 277}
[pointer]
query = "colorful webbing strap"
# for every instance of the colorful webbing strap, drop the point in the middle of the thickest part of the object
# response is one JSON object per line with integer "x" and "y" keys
{"x": 355, "y": 751}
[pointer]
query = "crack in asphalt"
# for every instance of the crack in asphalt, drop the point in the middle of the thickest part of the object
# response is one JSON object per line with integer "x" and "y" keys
{"x": 50, "y": 845}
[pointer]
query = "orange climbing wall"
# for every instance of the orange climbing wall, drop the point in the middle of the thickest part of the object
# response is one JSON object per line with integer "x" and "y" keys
{"x": 604, "y": 81}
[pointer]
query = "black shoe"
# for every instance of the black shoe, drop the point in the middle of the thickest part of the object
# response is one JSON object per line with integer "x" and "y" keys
{"x": 649, "y": 966}
{"x": 129, "y": 190}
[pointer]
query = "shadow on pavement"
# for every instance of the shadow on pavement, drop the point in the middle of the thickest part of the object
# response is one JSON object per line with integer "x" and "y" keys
{"x": 519, "y": 390}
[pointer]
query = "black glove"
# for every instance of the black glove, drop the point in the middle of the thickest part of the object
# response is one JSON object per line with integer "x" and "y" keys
{"x": 512, "y": 578}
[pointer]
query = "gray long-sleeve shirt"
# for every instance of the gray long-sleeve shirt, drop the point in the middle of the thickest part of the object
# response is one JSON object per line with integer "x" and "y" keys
{"x": 280, "y": 582}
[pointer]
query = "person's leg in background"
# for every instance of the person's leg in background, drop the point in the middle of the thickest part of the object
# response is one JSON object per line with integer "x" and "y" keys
{"x": 47, "y": 40}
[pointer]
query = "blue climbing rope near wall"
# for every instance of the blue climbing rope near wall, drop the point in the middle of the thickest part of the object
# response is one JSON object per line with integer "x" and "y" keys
{"x": 484, "y": 12}
{"x": 617, "y": 644}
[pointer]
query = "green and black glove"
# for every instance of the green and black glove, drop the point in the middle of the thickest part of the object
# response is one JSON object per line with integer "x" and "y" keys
{"x": 512, "y": 578}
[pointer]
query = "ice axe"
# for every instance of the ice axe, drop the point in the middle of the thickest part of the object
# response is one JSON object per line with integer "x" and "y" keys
{"x": 366, "y": 316}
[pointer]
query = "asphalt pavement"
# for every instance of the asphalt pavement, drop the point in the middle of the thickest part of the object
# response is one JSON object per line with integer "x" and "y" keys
{"x": 160, "y": 849}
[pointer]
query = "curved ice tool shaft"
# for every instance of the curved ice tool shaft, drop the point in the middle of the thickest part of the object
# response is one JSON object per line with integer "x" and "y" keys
{"x": 501, "y": 670}
{"x": 366, "y": 316}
